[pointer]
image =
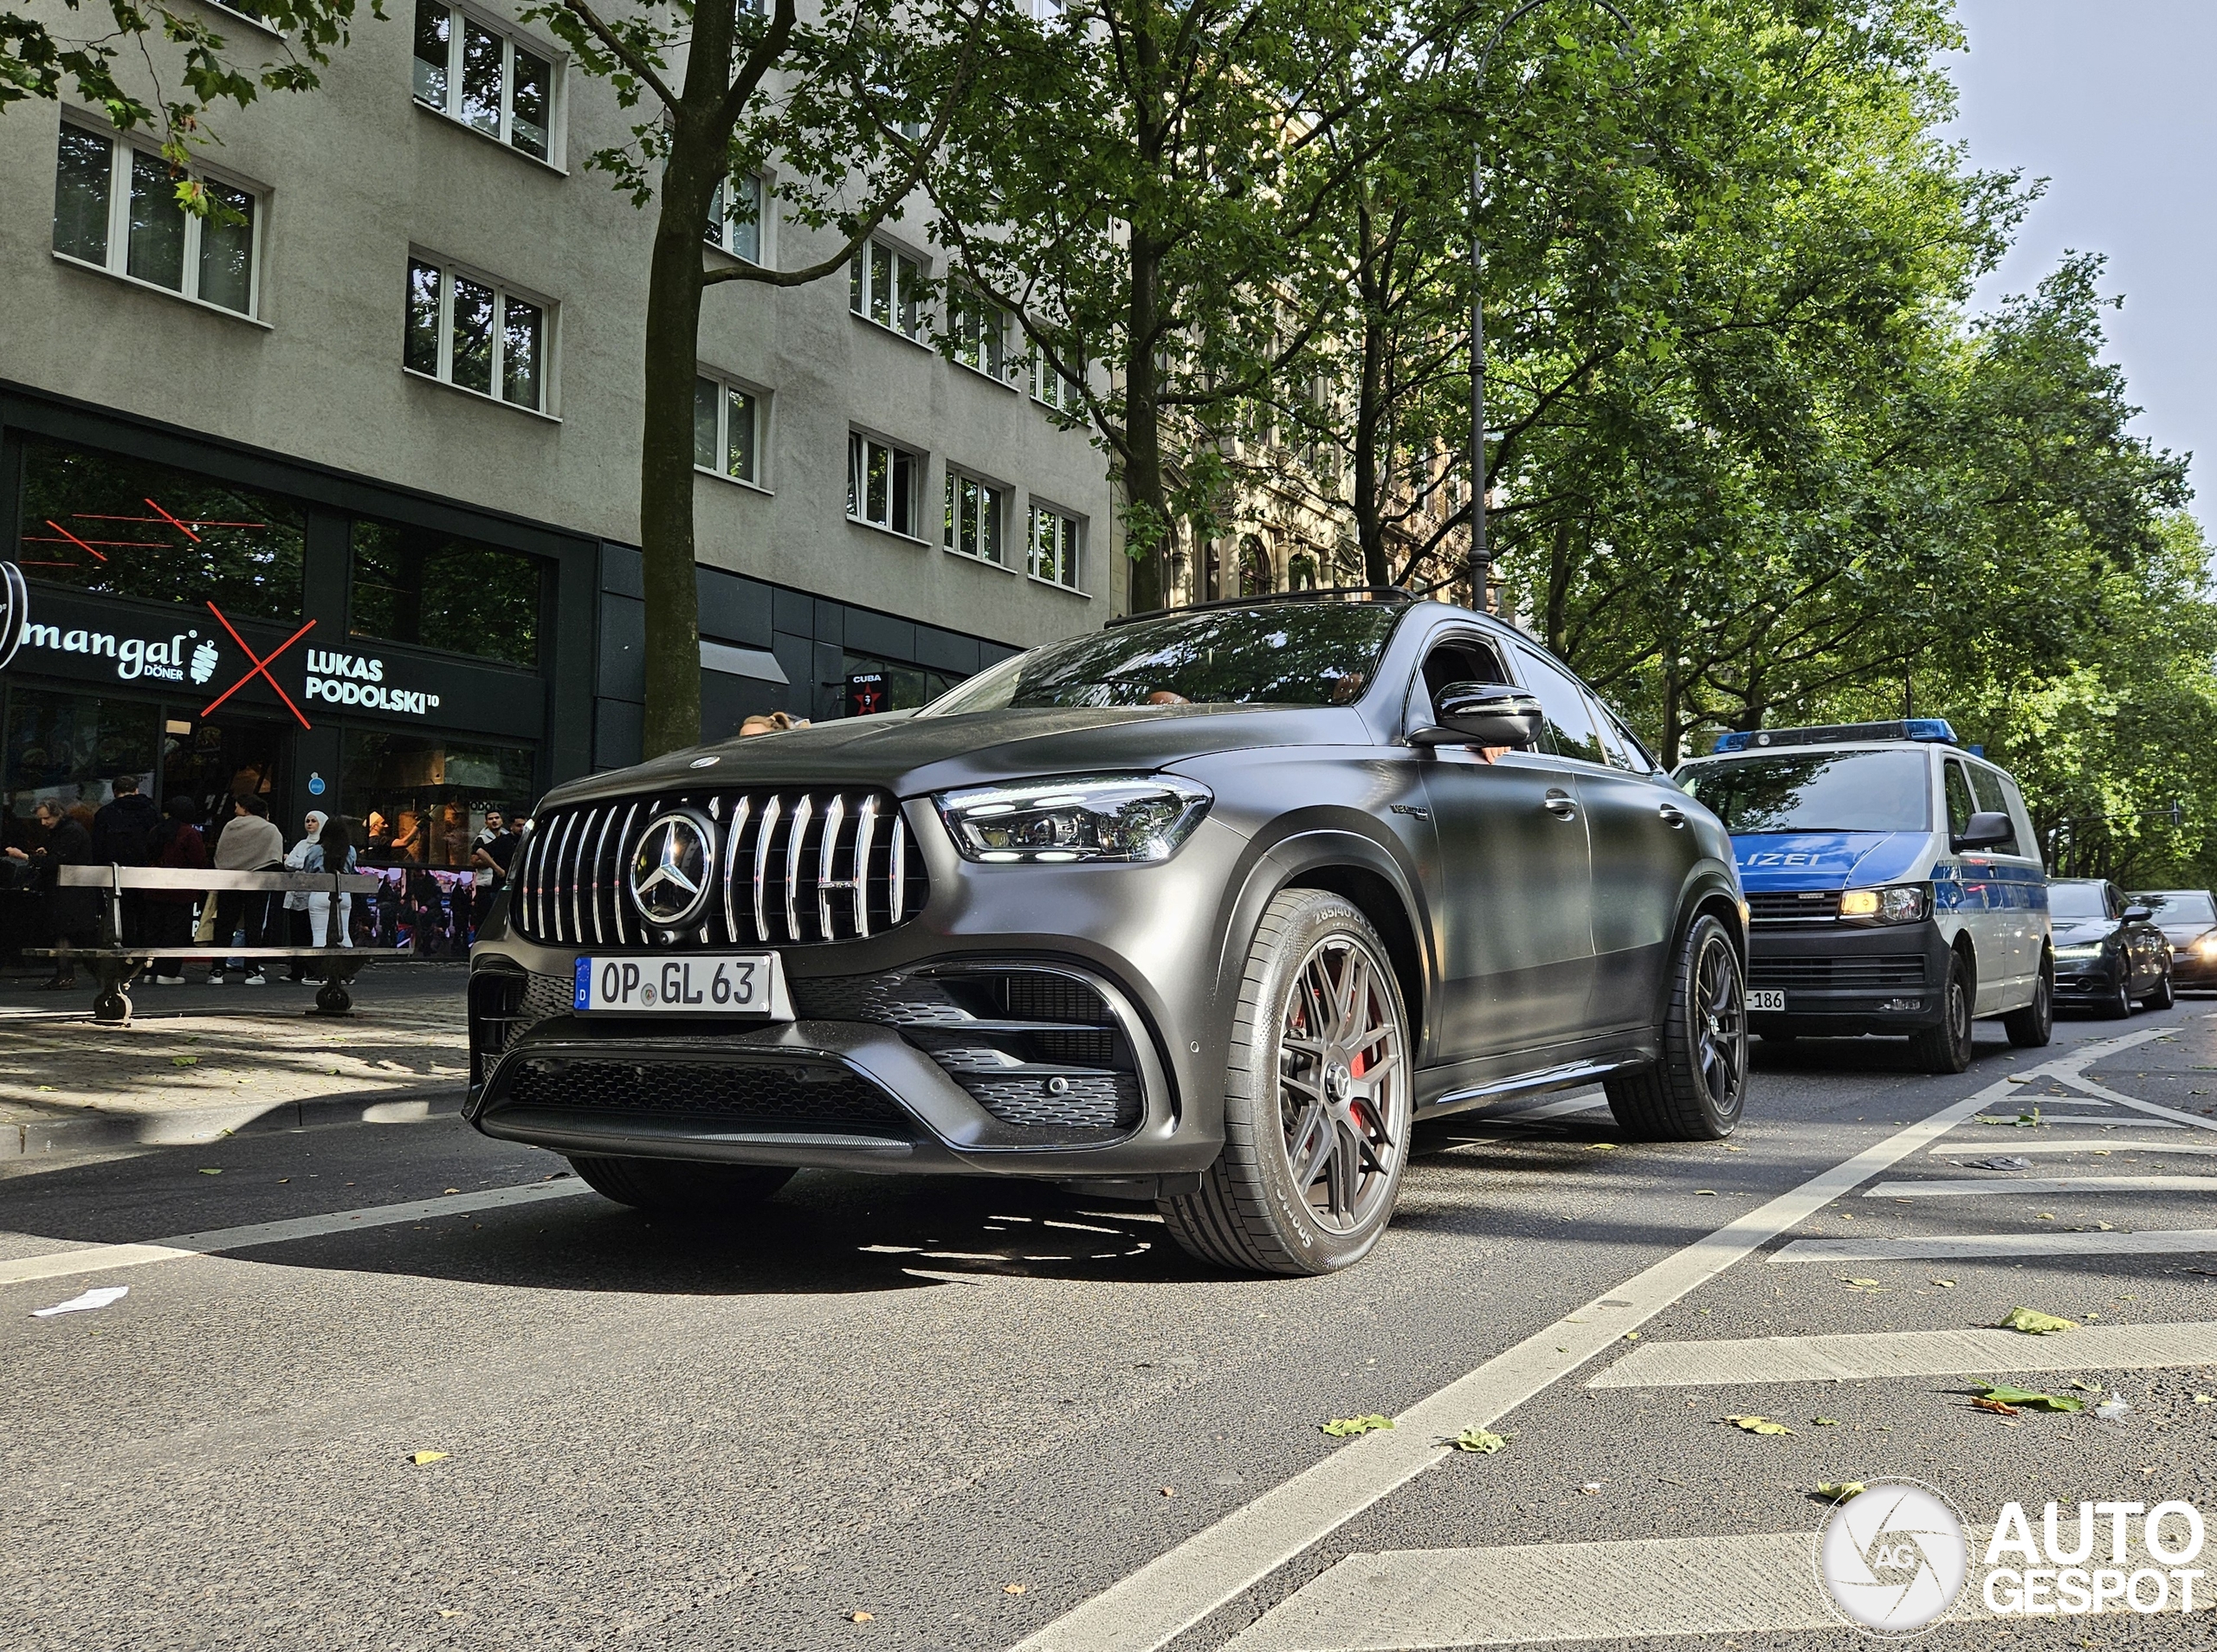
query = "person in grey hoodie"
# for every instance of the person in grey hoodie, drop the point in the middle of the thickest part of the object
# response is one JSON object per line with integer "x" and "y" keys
{"x": 251, "y": 842}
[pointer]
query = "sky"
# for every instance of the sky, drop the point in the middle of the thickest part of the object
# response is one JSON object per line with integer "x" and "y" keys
{"x": 2111, "y": 100}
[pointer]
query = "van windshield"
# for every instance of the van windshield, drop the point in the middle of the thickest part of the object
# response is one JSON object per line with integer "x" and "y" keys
{"x": 1830, "y": 791}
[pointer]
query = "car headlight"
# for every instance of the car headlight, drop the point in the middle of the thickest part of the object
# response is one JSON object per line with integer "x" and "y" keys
{"x": 2093, "y": 949}
{"x": 1900, "y": 903}
{"x": 2206, "y": 946}
{"x": 1083, "y": 817}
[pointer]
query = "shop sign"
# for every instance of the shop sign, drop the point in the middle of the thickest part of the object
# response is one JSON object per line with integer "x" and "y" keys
{"x": 866, "y": 694}
{"x": 358, "y": 680}
{"x": 165, "y": 659}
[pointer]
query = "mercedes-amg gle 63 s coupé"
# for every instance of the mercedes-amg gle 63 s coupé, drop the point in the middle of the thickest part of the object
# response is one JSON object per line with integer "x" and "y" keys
{"x": 1209, "y": 908}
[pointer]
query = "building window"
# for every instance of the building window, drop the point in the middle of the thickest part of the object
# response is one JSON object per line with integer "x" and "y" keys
{"x": 413, "y": 585}
{"x": 735, "y": 217}
{"x": 1054, "y": 547}
{"x": 73, "y": 748}
{"x": 727, "y": 430}
{"x": 980, "y": 332}
{"x": 100, "y": 522}
{"x": 1050, "y": 388}
{"x": 887, "y": 287}
{"x": 474, "y": 332}
{"x": 1300, "y": 572}
{"x": 904, "y": 687}
{"x": 474, "y": 72}
{"x": 977, "y": 512}
{"x": 882, "y": 484}
{"x": 422, "y": 799}
{"x": 115, "y": 205}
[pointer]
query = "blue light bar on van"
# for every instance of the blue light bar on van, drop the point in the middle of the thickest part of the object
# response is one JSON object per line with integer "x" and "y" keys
{"x": 1912, "y": 728}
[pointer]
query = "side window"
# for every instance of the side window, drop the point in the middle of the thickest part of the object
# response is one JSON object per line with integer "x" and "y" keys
{"x": 1987, "y": 787}
{"x": 1959, "y": 798}
{"x": 1624, "y": 751}
{"x": 2023, "y": 821}
{"x": 2113, "y": 900}
{"x": 1570, "y": 720}
{"x": 1463, "y": 660}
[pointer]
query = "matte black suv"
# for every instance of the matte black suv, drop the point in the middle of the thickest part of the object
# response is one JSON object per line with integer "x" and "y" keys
{"x": 1206, "y": 907}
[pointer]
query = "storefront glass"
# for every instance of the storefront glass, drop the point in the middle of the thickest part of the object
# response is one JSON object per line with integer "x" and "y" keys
{"x": 73, "y": 747}
{"x": 423, "y": 798}
{"x": 905, "y": 686}
{"x": 100, "y": 522}
{"x": 411, "y": 585}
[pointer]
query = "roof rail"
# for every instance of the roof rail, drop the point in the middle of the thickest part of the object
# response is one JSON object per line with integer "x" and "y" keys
{"x": 1313, "y": 594}
{"x": 1911, "y": 728}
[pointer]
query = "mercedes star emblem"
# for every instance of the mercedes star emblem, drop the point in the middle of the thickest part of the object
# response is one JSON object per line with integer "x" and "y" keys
{"x": 673, "y": 870}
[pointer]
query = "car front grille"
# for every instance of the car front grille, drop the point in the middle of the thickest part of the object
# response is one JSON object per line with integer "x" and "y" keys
{"x": 1872, "y": 973}
{"x": 791, "y": 867}
{"x": 1794, "y": 906}
{"x": 755, "y": 1095}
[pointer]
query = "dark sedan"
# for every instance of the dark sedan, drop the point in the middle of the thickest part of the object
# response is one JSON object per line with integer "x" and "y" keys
{"x": 2188, "y": 920}
{"x": 2108, "y": 955}
{"x": 1207, "y": 908}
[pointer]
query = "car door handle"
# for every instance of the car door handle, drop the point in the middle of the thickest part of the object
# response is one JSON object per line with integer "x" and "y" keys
{"x": 1560, "y": 804}
{"x": 1672, "y": 815}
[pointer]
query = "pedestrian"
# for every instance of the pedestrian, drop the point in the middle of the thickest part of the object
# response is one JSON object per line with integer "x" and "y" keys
{"x": 177, "y": 847}
{"x": 490, "y": 860}
{"x": 123, "y": 835}
{"x": 333, "y": 851}
{"x": 251, "y": 842}
{"x": 296, "y": 901}
{"x": 74, "y": 913}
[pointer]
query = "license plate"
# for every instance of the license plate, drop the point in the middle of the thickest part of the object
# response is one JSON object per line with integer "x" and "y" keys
{"x": 697, "y": 984}
{"x": 1757, "y": 1001}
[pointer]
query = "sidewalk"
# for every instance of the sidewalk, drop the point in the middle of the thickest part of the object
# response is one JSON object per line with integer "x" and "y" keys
{"x": 198, "y": 1062}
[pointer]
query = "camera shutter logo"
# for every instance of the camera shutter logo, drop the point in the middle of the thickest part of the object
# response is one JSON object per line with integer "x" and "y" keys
{"x": 1894, "y": 1558}
{"x": 673, "y": 869}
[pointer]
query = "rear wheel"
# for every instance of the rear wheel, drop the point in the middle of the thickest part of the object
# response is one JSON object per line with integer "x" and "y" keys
{"x": 1947, "y": 1048}
{"x": 2032, "y": 1026}
{"x": 2163, "y": 997}
{"x": 681, "y": 1186}
{"x": 1695, "y": 1093}
{"x": 1317, "y": 1100}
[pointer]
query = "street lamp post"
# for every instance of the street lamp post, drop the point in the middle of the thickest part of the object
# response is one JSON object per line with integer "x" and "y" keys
{"x": 1481, "y": 557}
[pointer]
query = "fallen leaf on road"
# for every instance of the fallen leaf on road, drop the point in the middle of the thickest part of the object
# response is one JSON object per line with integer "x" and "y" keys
{"x": 2003, "y": 1407}
{"x": 2205, "y": 1399}
{"x": 2031, "y": 1398}
{"x": 185, "y": 1061}
{"x": 1172, "y": 1491}
{"x": 1825, "y": 1422}
{"x": 1631, "y": 1336}
{"x": 1758, "y": 1425}
{"x": 2080, "y": 1382}
{"x": 1012, "y": 1589}
{"x": 1340, "y": 1427}
{"x": 1591, "y": 1488}
{"x": 862, "y": 1617}
{"x": 1483, "y": 1440}
{"x": 450, "y": 1190}
{"x": 46, "y": 1087}
{"x": 1862, "y": 1284}
{"x": 1945, "y": 1284}
{"x": 1705, "y": 1192}
{"x": 2033, "y": 1323}
{"x": 450, "y": 1611}
{"x": 204, "y": 1170}
{"x": 1840, "y": 1491}
{"x": 1600, "y": 1147}
{"x": 419, "y": 1458}
{"x": 99, "y": 1297}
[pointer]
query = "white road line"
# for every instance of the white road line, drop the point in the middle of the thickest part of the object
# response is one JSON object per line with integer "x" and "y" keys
{"x": 96, "y": 1259}
{"x": 2084, "y": 1145}
{"x": 1858, "y": 1355}
{"x": 2155, "y": 1109}
{"x": 2005, "y": 1247}
{"x": 1170, "y": 1594}
{"x": 2108, "y": 1121}
{"x": 1950, "y": 1190}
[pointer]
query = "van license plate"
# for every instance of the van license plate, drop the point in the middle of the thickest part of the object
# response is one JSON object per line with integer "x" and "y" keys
{"x": 695, "y": 983}
{"x": 1761, "y": 1001}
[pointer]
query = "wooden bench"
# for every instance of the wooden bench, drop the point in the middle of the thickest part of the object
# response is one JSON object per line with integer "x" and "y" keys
{"x": 115, "y": 965}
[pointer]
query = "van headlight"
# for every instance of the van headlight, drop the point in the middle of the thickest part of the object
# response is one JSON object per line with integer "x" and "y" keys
{"x": 1899, "y": 903}
{"x": 1082, "y": 817}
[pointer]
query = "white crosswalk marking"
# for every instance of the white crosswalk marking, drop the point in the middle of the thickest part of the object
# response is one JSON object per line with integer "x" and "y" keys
{"x": 1857, "y": 1355}
{"x": 2108, "y": 1121}
{"x": 2046, "y": 1185}
{"x": 2081, "y": 1145}
{"x": 2154, "y": 1109}
{"x": 2013, "y": 1247}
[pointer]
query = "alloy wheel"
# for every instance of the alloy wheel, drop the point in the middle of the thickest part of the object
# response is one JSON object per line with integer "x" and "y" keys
{"x": 1343, "y": 1085}
{"x": 1720, "y": 1022}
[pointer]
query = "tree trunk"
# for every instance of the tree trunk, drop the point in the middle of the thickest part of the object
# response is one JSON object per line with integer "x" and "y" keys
{"x": 1559, "y": 572}
{"x": 673, "y": 617}
{"x": 1369, "y": 412}
{"x": 1146, "y": 499}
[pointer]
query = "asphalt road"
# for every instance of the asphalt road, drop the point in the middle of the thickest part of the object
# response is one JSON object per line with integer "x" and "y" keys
{"x": 969, "y": 1410}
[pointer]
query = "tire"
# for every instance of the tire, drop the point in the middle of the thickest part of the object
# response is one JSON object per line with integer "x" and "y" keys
{"x": 1318, "y": 1098}
{"x": 2163, "y": 997}
{"x": 1695, "y": 1093}
{"x": 2118, "y": 1005}
{"x": 2032, "y": 1026}
{"x": 680, "y": 1187}
{"x": 1947, "y": 1048}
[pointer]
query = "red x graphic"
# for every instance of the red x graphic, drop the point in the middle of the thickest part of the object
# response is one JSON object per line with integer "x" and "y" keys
{"x": 260, "y": 668}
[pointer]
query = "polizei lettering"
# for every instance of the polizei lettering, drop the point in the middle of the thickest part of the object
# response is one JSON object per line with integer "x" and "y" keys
{"x": 358, "y": 680}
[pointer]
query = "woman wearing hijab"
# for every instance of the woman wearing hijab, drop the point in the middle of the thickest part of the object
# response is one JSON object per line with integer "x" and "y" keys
{"x": 296, "y": 901}
{"x": 333, "y": 851}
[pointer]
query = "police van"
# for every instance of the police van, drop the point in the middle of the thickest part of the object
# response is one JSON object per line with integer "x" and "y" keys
{"x": 1893, "y": 884}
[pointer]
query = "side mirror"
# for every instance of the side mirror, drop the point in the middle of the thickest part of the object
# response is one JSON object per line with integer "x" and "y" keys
{"x": 1482, "y": 713}
{"x": 1984, "y": 830}
{"x": 2138, "y": 914}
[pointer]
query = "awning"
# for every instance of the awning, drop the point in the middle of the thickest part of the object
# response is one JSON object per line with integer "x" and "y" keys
{"x": 758, "y": 663}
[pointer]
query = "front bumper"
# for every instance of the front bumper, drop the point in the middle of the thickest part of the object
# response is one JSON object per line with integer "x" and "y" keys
{"x": 2190, "y": 969}
{"x": 1844, "y": 980}
{"x": 2081, "y": 982}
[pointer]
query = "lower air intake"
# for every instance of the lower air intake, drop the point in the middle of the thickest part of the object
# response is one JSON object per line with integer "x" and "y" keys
{"x": 760, "y": 1096}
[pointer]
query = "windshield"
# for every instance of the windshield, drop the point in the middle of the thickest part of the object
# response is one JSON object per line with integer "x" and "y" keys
{"x": 2179, "y": 907}
{"x": 2079, "y": 900}
{"x": 1837, "y": 791}
{"x": 1278, "y": 653}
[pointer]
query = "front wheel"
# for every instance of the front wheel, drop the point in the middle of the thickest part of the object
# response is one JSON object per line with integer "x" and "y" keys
{"x": 1947, "y": 1048}
{"x": 1695, "y": 1092}
{"x": 2118, "y": 1004}
{"x": 678, "y": 1186}
{"x": 2163, "y": 997}
{"x": 1317, "y": 1100}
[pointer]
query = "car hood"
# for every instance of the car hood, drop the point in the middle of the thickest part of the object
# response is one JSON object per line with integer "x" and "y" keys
{"x": 1826, "y": 860}
{"x": 2084, "y": 931}
{"x": 909, "y": 754}
{"x": 2185, "y": 935}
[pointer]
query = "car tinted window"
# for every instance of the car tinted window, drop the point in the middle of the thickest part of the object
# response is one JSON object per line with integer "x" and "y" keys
{"x": 1460, "y": 659}
{"x": 1832, "y": 791}
{"x": 1278, "y": 653}
{"x": 2077, "y": 901}
{"x": 1635, "y": 753}
{"x": 1987, "y": 792}
{"x": 2027, "y": 839}
{"x": 1570, "y": 720}
{"x": 2178, "y": 906}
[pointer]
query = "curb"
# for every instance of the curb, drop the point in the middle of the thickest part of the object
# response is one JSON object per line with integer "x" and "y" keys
{"x": 54, "y": 1138}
